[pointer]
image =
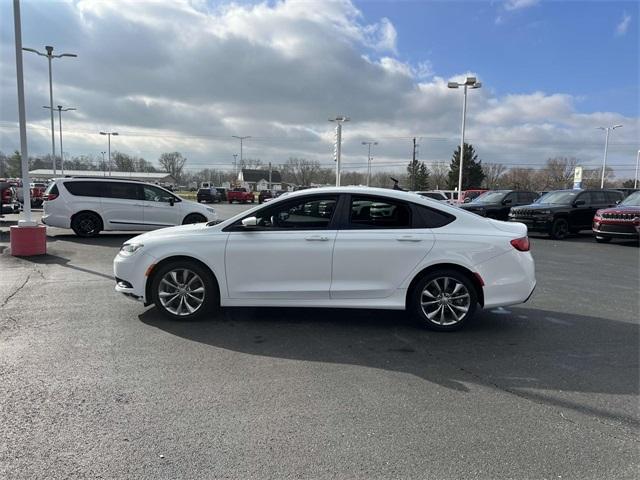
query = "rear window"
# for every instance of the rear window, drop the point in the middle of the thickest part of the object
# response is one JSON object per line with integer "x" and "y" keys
{"x": 83, "y": 189}
{"x": 128, "y": 191}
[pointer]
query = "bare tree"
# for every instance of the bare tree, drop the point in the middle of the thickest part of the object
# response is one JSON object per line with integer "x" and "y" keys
{"x": 301, "y": 171}
{"x": 492, "y": 174}
{"x": 439, "y": 175}
{"x": 592, "y": 178}
{"x": 520, "y": 179}
{"x": 558, "y": 173}
{"x": 173, "y": 163}
{"x": 250, "y": 163}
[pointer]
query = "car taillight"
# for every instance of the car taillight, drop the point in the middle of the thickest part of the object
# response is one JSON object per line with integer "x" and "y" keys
{"x": 50, "y": 196}
{"x": 521, "y": 244}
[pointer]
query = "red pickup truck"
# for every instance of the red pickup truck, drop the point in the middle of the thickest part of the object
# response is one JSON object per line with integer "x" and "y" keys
{"x": 240, "y": 195}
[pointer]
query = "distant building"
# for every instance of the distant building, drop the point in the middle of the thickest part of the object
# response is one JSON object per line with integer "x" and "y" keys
{"x": 258, "y": 180}
{"x": 163, "y": 178}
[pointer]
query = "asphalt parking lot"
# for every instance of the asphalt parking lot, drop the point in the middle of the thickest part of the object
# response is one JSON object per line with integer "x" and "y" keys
{"x": 96, "y": 386}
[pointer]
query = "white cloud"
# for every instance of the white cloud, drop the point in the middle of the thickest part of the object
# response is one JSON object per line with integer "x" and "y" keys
{"x": 519, "y": 4}
{"x": 183, "y": 76}
{"x": 623, "y": 26}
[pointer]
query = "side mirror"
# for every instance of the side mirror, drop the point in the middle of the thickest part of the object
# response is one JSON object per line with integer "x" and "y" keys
{"x": 507, "y": 201}
{"x": 578, "y": 203}
{"x": 172, "y": 201}
{"x": 467, "y": 200}
{"x": 249, "y": 222}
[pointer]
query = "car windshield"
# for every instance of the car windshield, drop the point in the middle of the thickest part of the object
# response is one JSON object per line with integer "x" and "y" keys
{"x": 632, "y": 200}
{"x": 490, "y": 197}
{"x": 558, "y": 198}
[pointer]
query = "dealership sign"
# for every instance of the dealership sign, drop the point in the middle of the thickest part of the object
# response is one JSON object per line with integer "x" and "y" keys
{"x": 577, "y": 178}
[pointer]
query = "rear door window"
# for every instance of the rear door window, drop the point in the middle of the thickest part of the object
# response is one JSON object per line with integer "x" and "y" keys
{"x": 377, "y": 212}
{"x": 122, "y": 190}
{"x": 598, "y": 198}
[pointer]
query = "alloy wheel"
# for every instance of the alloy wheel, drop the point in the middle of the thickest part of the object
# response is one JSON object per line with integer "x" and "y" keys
{"x": 181, "y": 292}
{"x": 445, "y": 301}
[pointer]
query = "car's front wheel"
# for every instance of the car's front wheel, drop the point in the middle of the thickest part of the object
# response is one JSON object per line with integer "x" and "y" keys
{"x": 444, "y": 300}
{"x": 193, "y": 218}
{"x": 184, "y": 290}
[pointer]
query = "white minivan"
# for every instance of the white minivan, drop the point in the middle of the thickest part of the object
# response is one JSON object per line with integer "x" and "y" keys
{"x": 90, "y": 205}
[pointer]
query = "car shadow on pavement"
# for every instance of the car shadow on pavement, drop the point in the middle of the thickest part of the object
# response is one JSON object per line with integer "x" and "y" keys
{"x": 103, "y": 240}
{"x": 583, "y": 238}
{"x": 49, "y": 259}
{"x": 546, "y": 357}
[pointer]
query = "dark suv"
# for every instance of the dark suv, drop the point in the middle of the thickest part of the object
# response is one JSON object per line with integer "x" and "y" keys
{"x": 497, "y": 203}
{"x": 208, "y": 195}
{"x": 562, "y": 212}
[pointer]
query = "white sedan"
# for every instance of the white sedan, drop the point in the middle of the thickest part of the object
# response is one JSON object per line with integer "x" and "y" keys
{"x": 331, "y": 247}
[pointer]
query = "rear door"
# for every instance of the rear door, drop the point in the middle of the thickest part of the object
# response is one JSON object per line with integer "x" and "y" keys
{"x": 377, "y": 248}
{"x": 85, "y": 195}
{"x": 122, "y": 206}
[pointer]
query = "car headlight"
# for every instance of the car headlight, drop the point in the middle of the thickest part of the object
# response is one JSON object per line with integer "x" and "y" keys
{"x": 130, "y": 248}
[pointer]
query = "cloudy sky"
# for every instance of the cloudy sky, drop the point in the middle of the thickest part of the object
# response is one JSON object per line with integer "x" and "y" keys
{"x": 187, "y": 75}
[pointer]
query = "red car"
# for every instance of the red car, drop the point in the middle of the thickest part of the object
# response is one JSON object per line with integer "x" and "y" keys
{"x": 621, "y": 221}
{"x": 240, "y": 195}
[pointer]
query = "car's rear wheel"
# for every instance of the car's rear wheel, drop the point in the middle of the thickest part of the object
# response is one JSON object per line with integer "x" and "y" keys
{"x": 444, "y": 300}
{"x": 193, "y": 218}
{"x": 603, "y": 239}
{"x": 559, "y": 229}
{"x": 86, "y": 224}
{"x": 184, "y": 290}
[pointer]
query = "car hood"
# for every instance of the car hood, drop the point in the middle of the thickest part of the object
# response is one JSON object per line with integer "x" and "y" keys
{"x": 539, "y": 206}
{"x": 480, "y": 206}
{"x": 621, "y": 209}
{"x": 170, "y": 232}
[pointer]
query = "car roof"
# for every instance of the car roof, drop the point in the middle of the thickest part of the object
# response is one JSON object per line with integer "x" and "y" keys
{"x": 106, "y": 179}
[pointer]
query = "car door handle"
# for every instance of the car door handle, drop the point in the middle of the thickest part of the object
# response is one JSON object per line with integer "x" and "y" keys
{"x": 408, "y": 238}
{"x": 316, "y": 238}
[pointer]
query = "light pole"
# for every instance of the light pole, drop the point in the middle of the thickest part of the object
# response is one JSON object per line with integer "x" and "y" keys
{"x": 235, "y": 168}
{"x": 472, "y": 83}
{"x": 337, "y": 146}
{"x": 60, "y": 110}
{"x": 606, "y": 147}
{"x": 635, "y": 182}
{"x": 103, "y": 162}
{"x": 51, "y": 56}
{"x": 108, "y": 134}
{"x": 369, "y": 160}
{"x": 241, "y": 140}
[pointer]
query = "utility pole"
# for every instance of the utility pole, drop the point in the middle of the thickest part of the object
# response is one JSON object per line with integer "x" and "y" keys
{"x": 369, "y": 159}
{"x": 270, "y": 187}
{"x": 413, "y": 166}
{"x": 606, "y": 147}
{"x": 635, "y": 182}
{"x": 108, "y": 134}
{"x": 235, "y": 168}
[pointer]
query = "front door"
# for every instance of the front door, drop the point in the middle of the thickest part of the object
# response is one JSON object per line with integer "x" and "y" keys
{"x": 287, "y": 255}
{"x": 158, "y": 209}
{"x": 377, "y": 249}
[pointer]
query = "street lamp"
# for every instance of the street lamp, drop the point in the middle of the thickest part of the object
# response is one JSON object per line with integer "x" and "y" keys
{"x": 241, "y": 140}
{"x": 606, "y": 147}
{"x": 337, "y": 146}
{"x": 635, "y": 182}
{"x": 369, "y": 160}
{"x": 60, "y": 110}
{"x": 51, "y": 56}
{"x": 108, "y": 134}
{"x": 103, "y": 162}
{"x": 472, "y": 83}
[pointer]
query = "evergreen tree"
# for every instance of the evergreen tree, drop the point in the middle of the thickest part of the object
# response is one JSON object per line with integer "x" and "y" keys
{"x": 418, "y": 175}
{"x": 472, "y": 174}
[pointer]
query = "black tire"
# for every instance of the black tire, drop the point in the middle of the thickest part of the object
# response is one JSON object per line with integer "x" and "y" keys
{"x": 230, "y": 201}
{"x": 559, "y": 229}
{"x": 603, "y": 239}
{"x": 455, "y": 316}
{"x": 194, "y": 218}
{"x": 210, "y": 301}
{"x": 86, "y": 224}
